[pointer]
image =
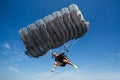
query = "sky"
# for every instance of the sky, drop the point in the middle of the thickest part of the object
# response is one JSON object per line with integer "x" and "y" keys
{"x": 97, "y": 54}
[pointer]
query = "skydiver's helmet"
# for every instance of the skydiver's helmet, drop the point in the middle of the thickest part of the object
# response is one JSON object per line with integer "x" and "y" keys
{"x": 55, "y": 54}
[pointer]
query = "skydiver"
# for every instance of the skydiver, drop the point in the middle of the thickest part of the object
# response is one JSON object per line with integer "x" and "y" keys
{"x": 61, "y": 60}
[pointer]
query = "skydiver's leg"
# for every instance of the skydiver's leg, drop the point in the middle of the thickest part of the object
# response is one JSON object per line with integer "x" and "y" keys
{"x": 70, "y": 63}
{"x": 54, "y": 67}
{"x": 56, "y": 63}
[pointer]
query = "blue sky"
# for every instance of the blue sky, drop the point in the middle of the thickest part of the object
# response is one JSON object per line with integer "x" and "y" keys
{"x": 97, "y": 53}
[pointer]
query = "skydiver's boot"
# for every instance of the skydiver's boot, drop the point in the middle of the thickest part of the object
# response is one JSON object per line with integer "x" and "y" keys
{"x": 73, "y": 65}
{"x": 76, "y": 67}
{"x": 53, "y": 69}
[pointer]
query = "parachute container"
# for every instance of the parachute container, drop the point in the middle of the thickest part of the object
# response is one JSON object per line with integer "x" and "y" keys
{"x": 53, "y": 31}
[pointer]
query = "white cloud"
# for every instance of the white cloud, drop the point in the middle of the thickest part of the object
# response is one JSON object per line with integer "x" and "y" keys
{"x": 63, "y": 75}
{"x": 73, "y": 75}
{"x": 6, "y": 45}
{"x": 13, "y": 51}
{"x": 14, "y": 69}
{"x": 69, "y": 75}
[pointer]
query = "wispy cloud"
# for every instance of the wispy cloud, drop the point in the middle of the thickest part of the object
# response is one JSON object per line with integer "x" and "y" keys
{"x": 12, "y": 51}
{"x": 74, "y": 75}
{"x": 89, "y": 65}
{"x": 6, "y": 45}
{"x": 14, "y": 69}
{"x": 69, "y": 75}
{"x": 116, "y": 54}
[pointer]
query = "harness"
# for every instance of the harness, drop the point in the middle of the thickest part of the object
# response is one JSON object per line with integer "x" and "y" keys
{"x": 60, "y": 58}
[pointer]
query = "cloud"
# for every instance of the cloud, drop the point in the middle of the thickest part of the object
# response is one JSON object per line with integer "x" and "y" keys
{"x": 116, "y": 54}
{"x": 89, "y": 65}
{"x": 64, "y": 75}
{"x": 13, "y": 51}
{"x": 6, "y": 45}
{"x": 74, "y": 75}
{"x": 69, "y": 75}
{"x": 14, "y": 69}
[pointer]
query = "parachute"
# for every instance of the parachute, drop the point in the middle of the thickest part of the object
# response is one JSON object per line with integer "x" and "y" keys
{"x": 53, "y": 31}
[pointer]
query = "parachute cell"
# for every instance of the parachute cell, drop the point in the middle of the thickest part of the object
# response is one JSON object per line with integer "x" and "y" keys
{"x": 53, "y": 31}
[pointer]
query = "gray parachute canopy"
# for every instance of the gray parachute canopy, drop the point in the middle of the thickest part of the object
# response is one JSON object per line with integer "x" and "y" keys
{"x": 53, "y": 31}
